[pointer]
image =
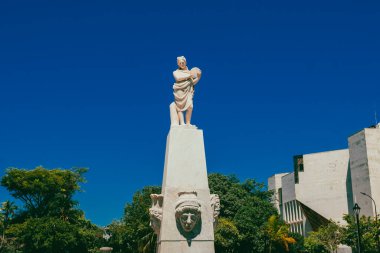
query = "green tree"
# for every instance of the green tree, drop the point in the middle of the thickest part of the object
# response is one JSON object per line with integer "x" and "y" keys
{"x": 226, "y": 236}
{"x": 313, "y": 244}
{"x": 7, "y": 213}
{"x": 140, "y": 235}
{"x": 49, "y": 220}
{"x": 278, "y": 234}
{"x": 118, "y": 239}
{"x": 234, "y": 194}
{"x": 299, "y": 245}
{"x": 328, "y": 236}
{"x": 53, "y": 235}
{"x": 248, "y": 206}
{"x": 45, "y": 192}
{"x": 369, "y": 231}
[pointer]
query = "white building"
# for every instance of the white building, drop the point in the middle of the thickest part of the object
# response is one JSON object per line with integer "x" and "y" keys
{"x": 326, "y": 185}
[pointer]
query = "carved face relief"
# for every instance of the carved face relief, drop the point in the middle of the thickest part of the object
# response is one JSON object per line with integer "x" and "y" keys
{"x": 188, "y": 210}
{"x": 189, "y": 218}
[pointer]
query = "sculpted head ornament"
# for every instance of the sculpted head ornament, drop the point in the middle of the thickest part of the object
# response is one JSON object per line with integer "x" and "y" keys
{"x": 155, "y": 212}
{"x": 188, "y": 210}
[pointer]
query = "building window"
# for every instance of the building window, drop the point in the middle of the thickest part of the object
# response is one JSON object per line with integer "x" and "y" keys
{"x": 298, "y": 167}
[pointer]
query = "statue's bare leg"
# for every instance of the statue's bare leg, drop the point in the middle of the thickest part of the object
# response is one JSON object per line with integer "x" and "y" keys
{"x": 188, "y": 115}
{"x": 181, "y": 118}
{"x": 173, "y": 115}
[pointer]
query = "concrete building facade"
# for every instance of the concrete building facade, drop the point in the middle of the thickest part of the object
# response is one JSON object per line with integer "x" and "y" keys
{"x": 326, "y": 185}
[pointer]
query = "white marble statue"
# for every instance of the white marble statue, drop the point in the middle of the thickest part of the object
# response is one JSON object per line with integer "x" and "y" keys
{"x": 185, "y": 80}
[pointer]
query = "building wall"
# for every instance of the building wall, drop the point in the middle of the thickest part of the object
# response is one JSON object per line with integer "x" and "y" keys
{"x": 288, "y": 188}
{"x": 275, "y": 184}
{"x": 365, "y": 168}
{"x": 322, "y": 185}
{"x": 327, "y": 184}
{"x": 373, "y": 154}
{"x": 291, "y": 210}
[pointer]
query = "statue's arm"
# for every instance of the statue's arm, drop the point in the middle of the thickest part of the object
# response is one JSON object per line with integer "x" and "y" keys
{"x": 196, "y": 73}
{"x": 196, "y": 80}
{"x": 181, "y": 76}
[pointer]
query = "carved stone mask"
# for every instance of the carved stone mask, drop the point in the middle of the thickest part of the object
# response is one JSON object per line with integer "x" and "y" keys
{"x": 189, "y": 217}
{"x": 188, "y": 210}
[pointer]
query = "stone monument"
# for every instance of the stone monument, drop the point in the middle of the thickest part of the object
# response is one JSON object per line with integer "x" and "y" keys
{"x": 184, "y": 215}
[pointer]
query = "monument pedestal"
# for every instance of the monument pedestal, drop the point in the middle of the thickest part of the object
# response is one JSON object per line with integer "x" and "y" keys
{"x": 183, "y": 215}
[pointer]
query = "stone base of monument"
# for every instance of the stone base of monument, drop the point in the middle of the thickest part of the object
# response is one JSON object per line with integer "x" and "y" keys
{"x": 106, "y": 249}
{"x": 183, "y": 216}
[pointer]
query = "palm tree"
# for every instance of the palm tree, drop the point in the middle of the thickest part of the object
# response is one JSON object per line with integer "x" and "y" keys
{"x": 277, "y": 232}
{"x": 7, "y": 212}
{"x": 147, "y": 244}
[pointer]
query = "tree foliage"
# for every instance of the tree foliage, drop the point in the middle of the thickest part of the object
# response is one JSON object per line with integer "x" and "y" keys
{"x": 327, "y": 237}
{"x": 140, "y": 235}
{"x": 227, "y": 236}
{"x": 299, "y": 245}
{"x": 314, "y": 245}
{"x": 118, "y": 240}
{"x": 53, "y": 235}
{"x": 369, "y": 231}
{"x": 45, "y": 192}
{"x": 247, "y": 205}
{"x": 278, "y": 234}
{"x": 7, "y": 213}
{"x": 49, "y": 220}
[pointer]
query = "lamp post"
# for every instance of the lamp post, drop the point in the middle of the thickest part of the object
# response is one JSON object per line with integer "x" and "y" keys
{"x": 357, "y": 212}
{"x": 377, "y": 236}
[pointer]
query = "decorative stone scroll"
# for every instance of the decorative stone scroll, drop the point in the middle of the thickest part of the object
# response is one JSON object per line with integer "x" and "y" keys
{"x": 188, "y": 213}
{"x": 155, "y": 212}
{"x": 215, "y": 207}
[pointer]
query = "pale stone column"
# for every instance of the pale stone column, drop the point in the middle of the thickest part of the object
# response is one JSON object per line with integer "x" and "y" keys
{"x": 185, "y": 184}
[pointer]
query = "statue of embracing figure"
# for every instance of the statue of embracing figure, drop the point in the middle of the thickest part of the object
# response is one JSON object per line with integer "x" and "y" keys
{"x": 185, "y": 80}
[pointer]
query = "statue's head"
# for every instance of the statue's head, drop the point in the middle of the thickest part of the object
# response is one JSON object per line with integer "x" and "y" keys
{"x": 181, "y": 61}
{"x": 188, "y": 210}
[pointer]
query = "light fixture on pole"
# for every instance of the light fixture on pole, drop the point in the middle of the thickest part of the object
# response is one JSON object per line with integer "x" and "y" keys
{"x": 357, "y": 212}
{"x": 377, "y": 225}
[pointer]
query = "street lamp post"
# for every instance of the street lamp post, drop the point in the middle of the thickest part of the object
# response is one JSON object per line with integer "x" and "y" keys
{"x": 377, "y": 236}
{"x": 357, "y": 212}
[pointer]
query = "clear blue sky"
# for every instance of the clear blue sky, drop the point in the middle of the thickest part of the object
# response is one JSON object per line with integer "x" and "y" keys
{"x": 88, "y": 84}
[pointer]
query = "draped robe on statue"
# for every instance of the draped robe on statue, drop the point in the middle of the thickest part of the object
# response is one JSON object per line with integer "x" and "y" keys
{"x": 183, "y": 90}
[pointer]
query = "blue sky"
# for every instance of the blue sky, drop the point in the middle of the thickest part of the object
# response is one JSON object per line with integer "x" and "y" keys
{"x": 88, "y": 84}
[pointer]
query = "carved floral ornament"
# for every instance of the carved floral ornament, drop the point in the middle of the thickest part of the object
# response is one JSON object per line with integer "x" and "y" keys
{"x": 155, "y": 212}
{"x": 188, "y": 210}
{"x": 215, "y": 207}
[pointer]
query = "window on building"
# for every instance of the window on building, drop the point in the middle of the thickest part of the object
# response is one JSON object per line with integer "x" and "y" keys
{"x": 298, "y": 167}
